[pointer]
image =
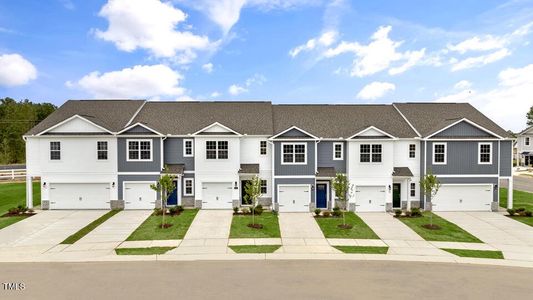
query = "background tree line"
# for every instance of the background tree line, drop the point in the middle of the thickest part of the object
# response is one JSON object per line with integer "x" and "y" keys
{"x": 16, "y": 118}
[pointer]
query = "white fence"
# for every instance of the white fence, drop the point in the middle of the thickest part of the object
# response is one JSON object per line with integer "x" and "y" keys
{"x": 12, "y": 174}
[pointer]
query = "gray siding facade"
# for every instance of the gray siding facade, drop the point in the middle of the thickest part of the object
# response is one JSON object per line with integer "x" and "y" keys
{"x": 462, "y": 158}
{"x": 506, "y": 153}
{"x": 139, "y": 166}
{"x": 325, "y": 156}
{"x": 463, "y": 129}
{"x": 138, "y": 130}
{"x": 293, "y": 170}
{"x": 173, "y": 153}
{"x": 294, "y": 133}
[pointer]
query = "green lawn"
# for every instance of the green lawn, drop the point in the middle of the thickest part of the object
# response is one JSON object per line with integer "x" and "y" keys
{"x": 449, "y": 232}
{"x": 360, "y": 230}
{"x": 363, "y": 249}
{"x": 14, "y": 194}
{"x": 520, "y": 199}
{"x": 143, "y": 251}
{"x": 476, "y": 253}
{"x": 4, "y": 222}
{"x": 255, "y": 249}
{"x": 239, "y": 228}
{"x": 85, "y": 230}
{"x": 150, "y": 229}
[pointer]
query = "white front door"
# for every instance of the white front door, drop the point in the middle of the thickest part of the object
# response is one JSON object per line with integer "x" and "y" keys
{"x": 370, "y": 198}
{"x": 79, "y": 196}
{"x": 294, "y": 198}
{"x": 139, "y": 195}
{"x": 217, "y": 195}
{"x": 463, "y": 197}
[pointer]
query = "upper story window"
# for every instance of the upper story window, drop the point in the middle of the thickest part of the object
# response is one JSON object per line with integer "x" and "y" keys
{"x": 263, "y": 186}
{"x": 439, "y": 153}
{"x": 55, "y": 150}
{"x": 338, "y": 153}
{"x": 294, "y": 153}
{"x": 370, "y": 153}
{"x": 188, "y": 148}
{"x": 412, "y": 150}
{"x": 412, "y": 189}
{"x": 101, "y": 150}
{"x": 263, "y": 147}
{"x": 139, "y": 150}
{"x": 188, "y": 189}
{"x": 485, "y": 153}
{"x": 527, "y": 141}
{"x": 216, "y": 149}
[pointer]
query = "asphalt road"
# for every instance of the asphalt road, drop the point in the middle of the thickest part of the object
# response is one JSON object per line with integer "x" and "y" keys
{"x": 521, "y": 183}
{"x": 264, "y": 280}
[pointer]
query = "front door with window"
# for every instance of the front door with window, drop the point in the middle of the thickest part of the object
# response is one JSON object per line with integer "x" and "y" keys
{"x": 397, "y": 195}
{"x": 321, "y": 195}
{"x": 243, "y": 192}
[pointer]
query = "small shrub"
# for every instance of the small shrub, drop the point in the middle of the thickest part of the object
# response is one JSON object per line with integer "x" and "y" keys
{"x": 415, "y": 212}
{"x": 317, "y": 211}
{"x": 326, "y": 214}
{"x": 511, "y": 211}
{"x": 173, "y": 211}
{"x": 275, "y": 212}
{"x": 22, "y": 208}
{"x": 520, "y": 210}
{"x": 408, "y": 214}
{"x": 336, "y": 208}
{"x": 158, "y": 212}
{"x": 397, "y": 213}
{"x": 337, "y": 213}
{"x": 258, "y": 210}
{"x": 245, "y": 211}
{"x": 180, "y": 208}
{"x": 528, "y": 213}
{"x": 13, "y": 211}
{"x": 236, "y": 210}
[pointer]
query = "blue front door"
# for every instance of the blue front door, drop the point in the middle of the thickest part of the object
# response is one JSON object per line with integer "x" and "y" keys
{"x": 173, "y": 199}
{"x": 321, "y": 195}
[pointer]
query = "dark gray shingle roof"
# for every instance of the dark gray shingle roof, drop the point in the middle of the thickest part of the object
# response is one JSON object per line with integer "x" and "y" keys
{"x": 249, "y": 169}
{"x": 402, "y": 172}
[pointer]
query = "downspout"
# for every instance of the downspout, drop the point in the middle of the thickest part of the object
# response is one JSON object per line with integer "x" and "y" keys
{"x": 274, "y": 187}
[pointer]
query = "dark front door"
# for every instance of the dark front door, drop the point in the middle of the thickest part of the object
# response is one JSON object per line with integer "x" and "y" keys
{"x": 321, "y": 195}
{"x": 173, "y": 199}
{"x": 396, "y": 195}
{"x": 243, "y": 192}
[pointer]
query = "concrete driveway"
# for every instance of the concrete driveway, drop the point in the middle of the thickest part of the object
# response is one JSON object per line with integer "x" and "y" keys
{"x": 46, "y": 229}
{"x": 515, "y": 239}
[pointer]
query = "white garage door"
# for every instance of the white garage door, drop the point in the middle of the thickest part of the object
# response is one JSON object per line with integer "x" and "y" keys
{"x": 294, "y": 198}
{"x": 370, "y": 198}
{"x": 463, "y": 197}
{"x": 139, "y": 195}
{"x": 217, "y": 195}
{"x": 79, "y": 196}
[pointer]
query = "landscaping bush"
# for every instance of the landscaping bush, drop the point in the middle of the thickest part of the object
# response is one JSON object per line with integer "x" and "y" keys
{"x": 528, "y": 213}
{"x": 326, "y": 214}
{"x": 520, "y": 210}
{"x": 397, "y": 213}
{"x": 408, "y": 214}
{"x": 337, "y": 211}
{"x": 180, "y": 208}
{"x": 173, "y": 211}
{"x": 511, "y": 211}
{"x": 22, "y": 208}
{"x": 317, "y": 211}
{"x": 245, "y": 211}
{"x": 258, "y": 210}
{"x": 158, "y": 212}
{"x": 236, "y": 210}
{"x": 415, "y": 212}
{"x": 13, "y": 211}
{"x": 275, "y": 212}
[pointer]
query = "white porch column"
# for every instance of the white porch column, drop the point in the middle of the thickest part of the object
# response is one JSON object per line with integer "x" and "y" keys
{"x": 408, "y": 190}
{"x": 29, "y": 192}
{"x": 510, "y": 193}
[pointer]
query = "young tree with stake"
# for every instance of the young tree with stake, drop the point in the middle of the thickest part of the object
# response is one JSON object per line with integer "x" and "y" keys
{"x": 165, "y": 186}
{"x": 253, "y": 193}
{"x": 430, "y": 184}
{"x": 343, "y": 189}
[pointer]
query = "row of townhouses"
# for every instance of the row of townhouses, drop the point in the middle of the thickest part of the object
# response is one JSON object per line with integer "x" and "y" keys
{"x": 101, "y": 154}
{"x": 524, "y": 148}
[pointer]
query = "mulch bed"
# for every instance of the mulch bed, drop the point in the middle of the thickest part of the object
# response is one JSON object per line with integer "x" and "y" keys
{"x": 168, "y": 225}
{"x": 7, "y": 215}
{"x": 255, "y": 226}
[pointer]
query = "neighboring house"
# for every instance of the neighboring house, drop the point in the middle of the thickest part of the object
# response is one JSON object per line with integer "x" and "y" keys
{"x": 524, "y": 147}
{"x": 96, "y": 154}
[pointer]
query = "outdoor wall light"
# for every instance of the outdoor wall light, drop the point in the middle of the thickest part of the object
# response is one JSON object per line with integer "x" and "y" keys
{"x": 113, "y": 185}
{"x": 389, "y": 188}
{"x": 236, "y": 186}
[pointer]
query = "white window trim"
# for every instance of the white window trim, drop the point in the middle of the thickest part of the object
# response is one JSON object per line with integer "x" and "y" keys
{"x": 371, "y": 153}
{"x": 97, "y": 151}
{"x": 50, "y": 151}
{"x": 184, "y": 147}
{"x": 266, "y": 187}
{"x": 411, "y": 189}
{"x": 139, "y": 141}
{"x": 445, "y": 154}
{"x": 342, "y": 151}
{"x": 294, "y": 154}
{"x": 266, "y": 148}
{"x": 216, "y": 150}
{"x": 479, "y": 154}
{"x": 409, "y": 151}
{"x": 185, "y": 186}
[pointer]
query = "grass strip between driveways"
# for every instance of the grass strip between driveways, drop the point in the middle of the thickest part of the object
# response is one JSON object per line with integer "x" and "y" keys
{"x": 476, "y": 253}
{"x": 360, "y": 230}
{"x": 143, "y": 251}
{"x": 520, "y": 199}
{"x": 255, "y": 249}
{"x": 240, "y": 229}
{"x": 6, "y": 221}
{"x": 14, "y": 194}
{"x": 150, "y": 229}
{"x": 363, "y": 249}
{"x": 448, "y": 232}
{"x": 85, "y": 230}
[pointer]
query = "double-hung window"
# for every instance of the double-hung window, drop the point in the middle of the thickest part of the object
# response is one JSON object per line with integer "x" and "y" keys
{"x": 55, "y": 150}
{"x": 412, "y": 189}
{"x": 101, "y": 150}
{"x": 370, "y": 153}
{"x": 140, "y": 150}
{"x": 294, "y": 153}
{"x": 188, "y": 189}
{"x": 412, "y": 150}
{"x": 338, "y": 153}
{"x": 485, "y": 153}
{"x": 263, "y": 186}
{"x": 263, "y": 147}
{"x": 216, "y": 149}
{"x": 188, "y": 148}
{"x": 526, "y": 142}
{"x": 439, "y": 153}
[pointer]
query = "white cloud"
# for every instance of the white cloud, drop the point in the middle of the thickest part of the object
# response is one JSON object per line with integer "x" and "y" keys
{"x": 378, "y": 55}
{"x": 208, "y": 68}
{"x": 463, "y": 84}
{"x": 476, "y": 43}
{"x": 375, "y": 90}
{"x": 67, "y": 4}
{"x": 478, "y": 61}
{"x": 148, "y": 24}
{"x": 215, "y": 94}
{"x": 513, "y": 91}
{"x": 326, "y": 39}
{"x": 137, "y": 82}
{"x": 237, "y": 89}
{"x": 16, "y": 70}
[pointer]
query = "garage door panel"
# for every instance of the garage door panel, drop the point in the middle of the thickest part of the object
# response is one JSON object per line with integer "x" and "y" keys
{"x": 217, "y": 195}
{"x": 370, "y": 198}
{"x": 139, "y": 195}
{"x": 293, "y": 198}
{"x": 463, "y": 198}
{"x": 79, "y": 196}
